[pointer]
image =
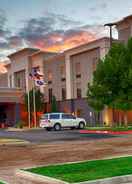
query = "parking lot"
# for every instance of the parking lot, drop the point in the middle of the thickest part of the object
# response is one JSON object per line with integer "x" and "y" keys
{"x": 43, "y": 136}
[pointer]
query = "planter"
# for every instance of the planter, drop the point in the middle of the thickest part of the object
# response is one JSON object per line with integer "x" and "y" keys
{"x": 30, "y": 178}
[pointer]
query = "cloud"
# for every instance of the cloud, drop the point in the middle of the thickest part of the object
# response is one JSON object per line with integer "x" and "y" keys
{"x": 101, "y": 6}
{"x": 58, "y": 31}
{"x": 52, "y": 32}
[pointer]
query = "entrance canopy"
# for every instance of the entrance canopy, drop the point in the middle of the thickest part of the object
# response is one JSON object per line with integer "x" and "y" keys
{"x": 10, "y": 100}
{"x": 13, "y": 95}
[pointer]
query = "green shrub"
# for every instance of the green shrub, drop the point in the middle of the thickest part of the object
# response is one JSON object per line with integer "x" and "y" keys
{"x": 19, "y": 124}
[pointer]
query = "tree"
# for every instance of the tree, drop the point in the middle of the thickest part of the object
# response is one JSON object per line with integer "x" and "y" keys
{"x": 112, "y": 84}
{"x": 54, "y": 104}
{"x": 39, "y": 99}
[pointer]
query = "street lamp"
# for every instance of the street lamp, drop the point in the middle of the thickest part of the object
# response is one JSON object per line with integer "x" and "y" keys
{"x": 110, "y": 25}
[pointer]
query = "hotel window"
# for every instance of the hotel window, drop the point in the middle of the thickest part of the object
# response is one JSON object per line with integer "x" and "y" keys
{"x": 50, "y": 95}
{"x": 19, "y": 79}
{"x": 50, "y": 77}
{"x": 62, "y": 72}
{"x": 78, "y": 90}
{"x": 78, "y": 70}
{"x": 10, "y": 81}
{"x": 63, "y": 93}
{"x": 79, "y": 93}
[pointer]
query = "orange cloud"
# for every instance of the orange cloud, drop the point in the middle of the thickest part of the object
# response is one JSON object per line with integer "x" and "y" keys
{"x": 2, "y": 68}
{"x": 61, "y": 44}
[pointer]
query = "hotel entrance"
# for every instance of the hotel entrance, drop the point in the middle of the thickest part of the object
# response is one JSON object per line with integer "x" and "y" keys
{"x": 7, "y": 114}
{"x": 10, "y": 102}
{"x": 3, "y": 115}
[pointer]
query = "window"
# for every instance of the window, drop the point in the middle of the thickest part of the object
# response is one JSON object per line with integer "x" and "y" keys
{"x": 63, "y": 79}
{"x": 62, "y": 72}
{"x": 78, "y": 76}
{"x": 63, "y": 93}
{"x": 79, "y": 93}
{"x": 10, "y": 81}
{"x": 78, "y": 70}
{"x": 50, "y": 76}
{"x": 54, "y": 116}
{"x": 19, "y": 79}
{"x": 50, "y": 95}
{"x": 49, "y": 82}
{"x": 68, "y": 116}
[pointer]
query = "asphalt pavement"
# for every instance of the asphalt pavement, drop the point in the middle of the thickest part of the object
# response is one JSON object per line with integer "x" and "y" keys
{"x": 42, "y": 136}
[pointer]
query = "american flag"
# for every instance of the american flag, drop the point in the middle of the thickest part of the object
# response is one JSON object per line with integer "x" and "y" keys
{"x": 35, "y": 74}
{"x": 40, "y": 83}
{"x": 37, "y": 77}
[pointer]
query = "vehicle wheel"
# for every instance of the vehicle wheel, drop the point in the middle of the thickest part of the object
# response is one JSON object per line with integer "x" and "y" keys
{"x": 81, "y": 125}
{"x": 57, "y": 127}
{"x": 48, "y": 129}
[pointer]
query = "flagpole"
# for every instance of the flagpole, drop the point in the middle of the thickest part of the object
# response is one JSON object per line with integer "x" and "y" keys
{"x": 28, "y": 99}
{"x": 34, "y": 104}
{"x": 29, "y": 117}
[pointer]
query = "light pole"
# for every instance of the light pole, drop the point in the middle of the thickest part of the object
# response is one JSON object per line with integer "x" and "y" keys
{"x": 110, "y": 25}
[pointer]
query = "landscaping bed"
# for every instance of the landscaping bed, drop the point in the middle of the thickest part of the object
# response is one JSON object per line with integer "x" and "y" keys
{"x": 1, "y": 182}
{"x": 88, "y": 170}
{"x": 107, "y": 130}
{"x": 118, "y": 128}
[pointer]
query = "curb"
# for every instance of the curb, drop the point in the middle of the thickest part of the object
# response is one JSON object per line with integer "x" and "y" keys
{"x": 113, "y": 180}
{"x": 28, "y": 178}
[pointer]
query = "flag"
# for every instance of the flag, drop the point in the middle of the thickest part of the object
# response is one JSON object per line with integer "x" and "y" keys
{"x": 40, "y": 82}
{"x": 35, "y": 74}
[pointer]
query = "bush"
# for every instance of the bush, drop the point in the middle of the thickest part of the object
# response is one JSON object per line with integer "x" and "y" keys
{"x": 19, "y": 124}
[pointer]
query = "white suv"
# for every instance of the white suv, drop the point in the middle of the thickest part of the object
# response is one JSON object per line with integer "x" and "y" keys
{"x": 61, "y": 120}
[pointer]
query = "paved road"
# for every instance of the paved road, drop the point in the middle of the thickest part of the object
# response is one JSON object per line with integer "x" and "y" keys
{"x": 41, "y": 135}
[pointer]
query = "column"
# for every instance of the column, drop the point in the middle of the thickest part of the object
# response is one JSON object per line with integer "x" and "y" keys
{"x": 17, "y": 112}
{"x": 68, "y": 78}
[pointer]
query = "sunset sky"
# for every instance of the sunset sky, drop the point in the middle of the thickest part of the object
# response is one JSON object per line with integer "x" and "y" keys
{"x": 56, "y": 25}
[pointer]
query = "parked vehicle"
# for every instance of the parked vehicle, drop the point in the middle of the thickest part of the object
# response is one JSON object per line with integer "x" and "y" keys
{"x": 57, "y": 121}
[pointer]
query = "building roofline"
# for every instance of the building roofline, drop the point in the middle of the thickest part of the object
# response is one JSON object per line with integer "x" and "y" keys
{"x": 42, "y": 52}
{"x": 22, "y": 50}
{"x": 122, "y": 20}
{"x": 59, "y": 55}
{"x": 91, "y": 42}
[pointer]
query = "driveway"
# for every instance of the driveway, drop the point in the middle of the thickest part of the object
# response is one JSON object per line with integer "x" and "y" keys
{"x": 14, "y": 157}
{"x": 42, "y": 136}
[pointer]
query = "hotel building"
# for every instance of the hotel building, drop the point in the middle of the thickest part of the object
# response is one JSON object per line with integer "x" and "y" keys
{"x": 67, "y": 75}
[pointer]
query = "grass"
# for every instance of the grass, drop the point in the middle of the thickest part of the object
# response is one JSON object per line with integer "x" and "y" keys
{"x": 110, "y": 128}
{"x": 89, "y": 170}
